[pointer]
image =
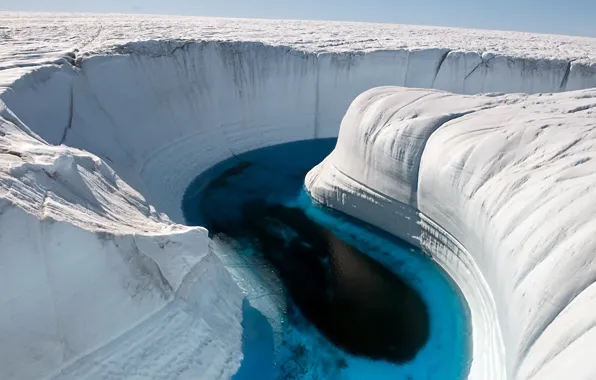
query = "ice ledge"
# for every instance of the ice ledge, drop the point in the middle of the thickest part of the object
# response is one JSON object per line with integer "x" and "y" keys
{"x": 62, "y": 32}
{"x": 475, "y": 181}
{"x": 90, "y": 271}
{"x": 68, "y": 38}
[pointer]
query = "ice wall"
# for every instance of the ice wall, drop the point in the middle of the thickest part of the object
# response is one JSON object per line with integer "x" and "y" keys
{"x": 158, "y": 113}
{"x": 84, "y": 259}
{"x": 499, "y": 189}
{"x": 146, "y": 107}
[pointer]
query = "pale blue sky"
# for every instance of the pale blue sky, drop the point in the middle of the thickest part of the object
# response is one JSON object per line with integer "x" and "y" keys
{"x": 575, "y": 17}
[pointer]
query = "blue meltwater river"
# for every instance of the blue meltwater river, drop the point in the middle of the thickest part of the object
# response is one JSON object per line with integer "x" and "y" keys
{"x": 327, "y": 296}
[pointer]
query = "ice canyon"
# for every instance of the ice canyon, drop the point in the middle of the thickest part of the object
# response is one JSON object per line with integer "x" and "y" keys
{"x": 476, "y": 147}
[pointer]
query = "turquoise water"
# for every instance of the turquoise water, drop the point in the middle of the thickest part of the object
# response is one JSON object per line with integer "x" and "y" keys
{"x": 368, "y": 329}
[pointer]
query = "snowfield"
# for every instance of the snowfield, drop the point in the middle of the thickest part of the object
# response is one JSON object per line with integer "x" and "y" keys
{"x": 105, "y": 120}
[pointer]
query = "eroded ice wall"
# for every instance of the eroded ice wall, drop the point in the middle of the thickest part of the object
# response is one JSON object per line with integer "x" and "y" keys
{"x": 499, "y": 190}
{"x": 84, "y": 259}
{"x": 162, "y": 112}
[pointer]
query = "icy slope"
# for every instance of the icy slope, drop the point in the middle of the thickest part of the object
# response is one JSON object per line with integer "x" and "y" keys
{"x": 158, "y": 100}
{"x": 83, "y": 259}
{"x": 505, "y": 186}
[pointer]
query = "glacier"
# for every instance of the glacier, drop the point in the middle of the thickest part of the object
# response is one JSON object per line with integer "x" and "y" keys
{"x": 106, "y": 119}
{"x": 496, "y": 188}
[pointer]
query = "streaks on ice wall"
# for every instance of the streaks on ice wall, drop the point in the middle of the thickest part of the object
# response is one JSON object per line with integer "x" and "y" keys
{"x": 499, "y": 190}
{"x": 180, "y": 95}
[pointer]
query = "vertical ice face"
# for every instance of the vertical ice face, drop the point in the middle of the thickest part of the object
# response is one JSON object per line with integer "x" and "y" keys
{"x": 386, "y": 134}
{"x": 490, "y": 178}
{"x": 232, "y": 97}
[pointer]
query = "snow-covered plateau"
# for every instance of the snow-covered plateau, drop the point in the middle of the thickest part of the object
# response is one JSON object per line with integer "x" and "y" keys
{"x": 106, "y": 119}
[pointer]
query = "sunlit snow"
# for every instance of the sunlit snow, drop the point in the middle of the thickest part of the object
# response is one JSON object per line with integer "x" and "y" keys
{"x": 105, "y": 120}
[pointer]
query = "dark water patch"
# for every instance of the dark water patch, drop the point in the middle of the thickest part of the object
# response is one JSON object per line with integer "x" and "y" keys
{"x": 354, "y": 301}
{"x": 296, "y": 262}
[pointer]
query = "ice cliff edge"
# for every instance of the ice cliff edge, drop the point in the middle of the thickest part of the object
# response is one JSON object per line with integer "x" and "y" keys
{"x": 500, "y": 191}
{"x": 84, "y": 259}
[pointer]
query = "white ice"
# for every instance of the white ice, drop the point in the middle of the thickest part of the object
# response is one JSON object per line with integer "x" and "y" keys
{"x": 105, "y": 120}
{"x": 500, "y": 190}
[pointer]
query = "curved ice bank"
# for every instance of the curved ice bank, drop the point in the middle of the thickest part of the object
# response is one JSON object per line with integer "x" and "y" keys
{"x": 146, "y": 107}
{"x": 84, "y": 259}
{"x": 87, "y": 264}
{"x": 500, "y": 191}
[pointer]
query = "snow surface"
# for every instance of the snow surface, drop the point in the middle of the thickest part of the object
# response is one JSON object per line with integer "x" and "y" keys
{"x": 539, "y": 62}
{"x": 84, "y": 258}
{"x": 494, "y": 187}
{"x": 97, "y": 110}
